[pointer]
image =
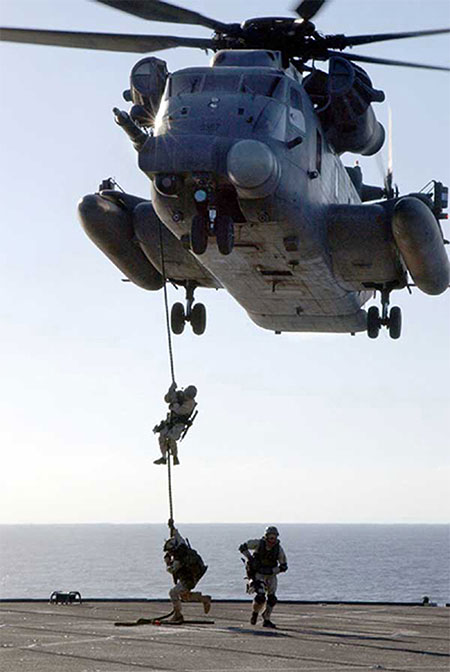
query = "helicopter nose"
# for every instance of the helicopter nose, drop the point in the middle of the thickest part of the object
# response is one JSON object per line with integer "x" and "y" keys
{"x": 253, "y": 168}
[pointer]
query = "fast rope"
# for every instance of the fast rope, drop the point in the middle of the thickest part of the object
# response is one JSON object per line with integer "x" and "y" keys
{"x": 169, "y": 480}
{"x": 166, "y": 302}
{"x": 172, "y": 366}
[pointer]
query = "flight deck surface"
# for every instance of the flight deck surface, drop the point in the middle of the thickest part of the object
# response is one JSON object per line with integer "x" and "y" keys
{"x": 39, "y": 637}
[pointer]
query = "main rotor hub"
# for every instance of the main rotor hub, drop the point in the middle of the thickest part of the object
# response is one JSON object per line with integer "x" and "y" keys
{"x": 275, "y": 33}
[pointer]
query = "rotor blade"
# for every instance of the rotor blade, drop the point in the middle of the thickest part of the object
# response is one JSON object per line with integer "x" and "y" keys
{"x": 156, "y": 10}
{"x": 385, "y": 61}
{"x": 354, "y": 40}
{"x": 104, "y": 41}
{"x": 309, "y": 8}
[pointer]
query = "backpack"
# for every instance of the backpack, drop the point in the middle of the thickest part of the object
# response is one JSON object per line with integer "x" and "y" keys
{"x": 192, "y": 568}
{"x": 195, "y": 565}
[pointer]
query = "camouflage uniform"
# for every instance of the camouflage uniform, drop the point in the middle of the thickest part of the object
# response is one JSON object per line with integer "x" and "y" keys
{"x": 266, "y": 561}
{"x": 187, "y": 568}
{"x": 181, "y": 405}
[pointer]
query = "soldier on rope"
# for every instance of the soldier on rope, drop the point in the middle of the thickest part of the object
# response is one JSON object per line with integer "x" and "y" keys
{"x": 187, "y": 568}
{"x": 177, "y": 422}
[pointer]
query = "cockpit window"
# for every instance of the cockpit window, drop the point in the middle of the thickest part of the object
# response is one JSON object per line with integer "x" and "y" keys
{"x": 262, "y": 85}
{"x": 227, "y": 83}
{"x": 254, "y": 84}
{"x": 186, "y": 83}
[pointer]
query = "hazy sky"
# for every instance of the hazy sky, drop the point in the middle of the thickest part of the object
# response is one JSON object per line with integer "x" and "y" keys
{"x": 291, "y": 428}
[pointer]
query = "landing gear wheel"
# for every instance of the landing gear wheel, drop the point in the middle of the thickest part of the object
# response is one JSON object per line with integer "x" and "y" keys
{"x": 177, "y": 318}
{"x": 198, "y": 319}
{"x": 373, "y": 322}
{"x": 395, "y": 322}
{"x": 224, "y": 227}
{"x": 199, "y": 234}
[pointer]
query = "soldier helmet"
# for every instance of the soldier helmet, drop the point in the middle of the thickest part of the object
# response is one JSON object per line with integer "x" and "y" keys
{"x": 190, "y": 391}
{"x": 170, "y": 545}
{"x": 271, "y": 530}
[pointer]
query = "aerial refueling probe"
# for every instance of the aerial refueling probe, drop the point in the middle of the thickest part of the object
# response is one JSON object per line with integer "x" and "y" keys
{"x": 136, "y": 135}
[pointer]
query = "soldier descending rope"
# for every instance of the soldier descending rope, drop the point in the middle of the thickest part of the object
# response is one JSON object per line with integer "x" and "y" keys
{"x": 187, "y": 568}
{"x": 179, "y": 418}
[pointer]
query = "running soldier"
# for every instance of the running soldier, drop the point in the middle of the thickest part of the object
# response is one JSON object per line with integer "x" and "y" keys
{"x": 267, "y": 560}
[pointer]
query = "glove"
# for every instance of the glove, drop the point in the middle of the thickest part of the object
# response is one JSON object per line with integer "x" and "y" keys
{"x": 243, "y": 548}
{"x": 171, "y": 524}
{"x": 283, "y": 567}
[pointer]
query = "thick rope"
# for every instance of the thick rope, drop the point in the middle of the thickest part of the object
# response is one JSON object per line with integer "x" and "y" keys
{"x": 145, "y": 621}
{"x": 172, "y": 366}
{"x": 169, "y": 479}
{"x": 166, "y": 303}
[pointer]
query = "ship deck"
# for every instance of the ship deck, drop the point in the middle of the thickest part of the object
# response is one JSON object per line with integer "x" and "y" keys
{"x": 41, "y": 637}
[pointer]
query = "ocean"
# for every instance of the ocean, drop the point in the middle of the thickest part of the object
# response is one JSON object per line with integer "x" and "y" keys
{"x": 398, "y": 563}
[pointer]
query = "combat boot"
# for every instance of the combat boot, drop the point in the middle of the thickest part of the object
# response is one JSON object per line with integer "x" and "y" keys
{"x": 254, "y": 617}
{"x": 162, "y": 460}
{"x": 268, "y": 624}
{"x": 177, "y": 617}
{"x": 176, "y": 461}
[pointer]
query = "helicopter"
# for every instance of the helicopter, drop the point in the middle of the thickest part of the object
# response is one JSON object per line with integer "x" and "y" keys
{"x": 248, "y": 192}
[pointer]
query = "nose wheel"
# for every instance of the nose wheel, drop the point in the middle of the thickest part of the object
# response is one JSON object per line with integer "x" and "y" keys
{"x": 195, "y": 314}
{"x": 391, "y": 319}
{"x": 199, "y": 233}
{"x": 224, "y": 228}
{"x": 209, "y": 221}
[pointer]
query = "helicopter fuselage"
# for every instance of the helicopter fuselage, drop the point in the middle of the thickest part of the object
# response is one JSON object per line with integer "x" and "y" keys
{"x": 247, "y": 140}
{"x": 246, "y": 152}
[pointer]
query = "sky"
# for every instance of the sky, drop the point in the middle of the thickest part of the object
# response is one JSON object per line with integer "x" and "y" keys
{"x": 292, "y": 428}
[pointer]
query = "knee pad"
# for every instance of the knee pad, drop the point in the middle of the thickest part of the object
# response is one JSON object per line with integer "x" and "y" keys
{"x": 272, "y": 600}
{"x": 260, "y": 598}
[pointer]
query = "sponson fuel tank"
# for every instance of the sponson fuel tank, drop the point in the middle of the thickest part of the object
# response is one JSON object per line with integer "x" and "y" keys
{"x": 362, "y": 248}
{"x": 126, "y": 228}
{"x": 419, "y": 239}
{"x": 109, "y": 225}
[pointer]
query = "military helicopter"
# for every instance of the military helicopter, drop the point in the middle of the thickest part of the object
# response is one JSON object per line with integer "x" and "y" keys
{"x": 248, "y": 192}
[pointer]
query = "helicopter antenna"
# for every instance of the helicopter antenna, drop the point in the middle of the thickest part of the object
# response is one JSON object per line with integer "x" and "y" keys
{"x": 390, "y": 162}
{"x": 390, "y": 189}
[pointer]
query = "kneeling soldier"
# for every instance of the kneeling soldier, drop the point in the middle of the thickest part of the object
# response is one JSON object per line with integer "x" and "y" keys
{"x": 187, "y": 568}
{"x": 267, "y": 560}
